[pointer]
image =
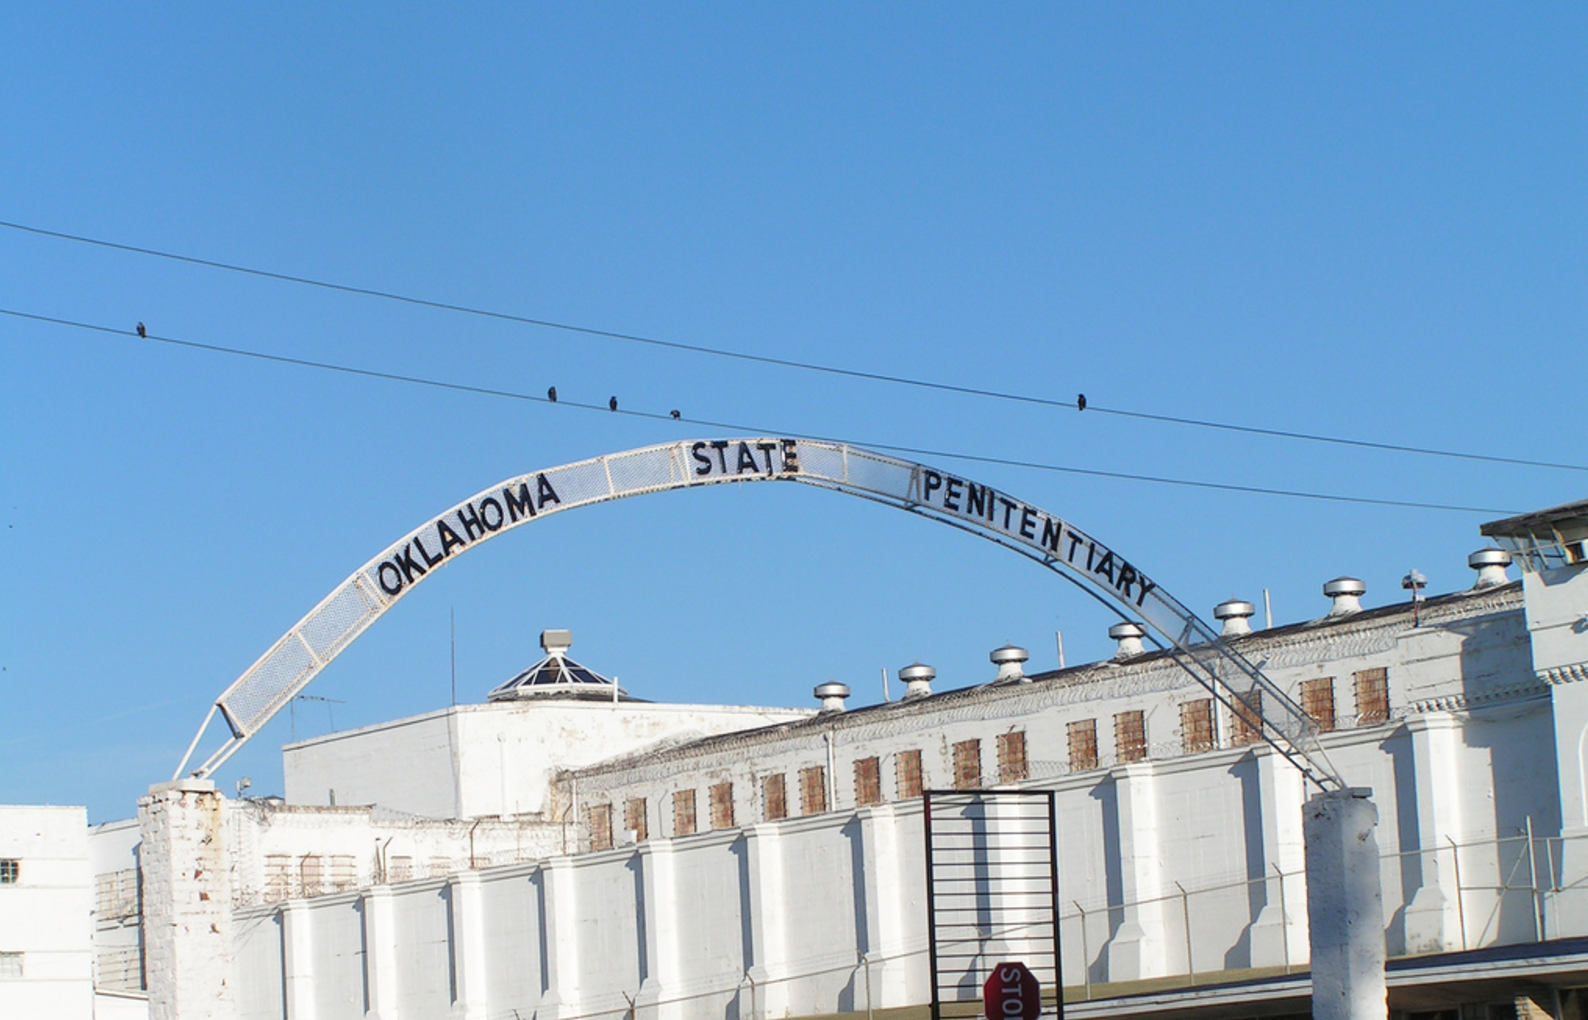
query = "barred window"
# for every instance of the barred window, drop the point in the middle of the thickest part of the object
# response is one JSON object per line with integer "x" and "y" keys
{"x": 10, "y": 871}
{"x": 116, "y": 894}
{"x": 341, "y": 873}
{"x": 967, "y": 765}
{"x": 309, "y": 875}
{"x": 1012, "y": 765}
{"x": 401, "y": 869}
{"x": 634, "y": 818}
{"x": 1196, "y": 725}
{"x": 683, "y": 812}
{"x": 868, "y": 782}
{"x": 775, "y": 795}
{"x": 907, "y": 774}
{"x": 1372, "y": 696}
{"x": 813, "y": 790}
{"x": 601, "y": 827}
{"x": 10, "y": 965}
{"x": 1083, "y": 745}
{"x": 1246, "y": 721}
{"x": 278, "y": 877}
{"x": 722, "y": 806}
{"x": 1130, "y": 736}
{"x": 1317, "y": 700}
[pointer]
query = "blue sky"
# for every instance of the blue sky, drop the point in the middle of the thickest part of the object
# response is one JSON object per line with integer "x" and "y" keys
{"x": 1364, "y": 221}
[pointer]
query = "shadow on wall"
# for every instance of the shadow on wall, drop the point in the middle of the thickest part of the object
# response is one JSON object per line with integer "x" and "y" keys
{"x": 1245, "y": 770}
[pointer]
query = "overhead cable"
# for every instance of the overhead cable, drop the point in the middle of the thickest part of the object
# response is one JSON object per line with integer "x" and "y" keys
{"x": 806, "y": 366}
{"x": 671, "y": 416}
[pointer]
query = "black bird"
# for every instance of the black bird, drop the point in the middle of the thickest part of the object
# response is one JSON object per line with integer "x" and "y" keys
{"x": 675, "y": 414}
{"x": 551, "y": 394}
{"x": 141, "y": 330}
{"x": 1080, "y": 401}
{"x": 612, "y": 404}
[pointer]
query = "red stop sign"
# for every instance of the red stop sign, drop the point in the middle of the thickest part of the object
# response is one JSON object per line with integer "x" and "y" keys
{"x": 1011, "y": 993}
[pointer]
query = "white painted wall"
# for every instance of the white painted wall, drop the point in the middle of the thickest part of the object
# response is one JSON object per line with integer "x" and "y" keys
{"x": 46, "y": 914}
{"x": 772, "y": 918}
{"x": 499, "y": 758}
{"x": 118, "y": 924}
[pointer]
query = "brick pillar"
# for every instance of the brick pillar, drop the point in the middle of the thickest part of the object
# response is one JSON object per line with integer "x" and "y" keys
{"x": 380, "y": 953}
{"x": 1433, "y": 917}
{"x": 894, "y": 897}
{"x": 560, "y": 913}
{"x": 187, "y": 902}
{"x": 1279, "y": 934}
{"x": 297, "y": 959}
{"x": 1139, "y": 947}
{"x": 663, "y": 933}
{"x": 466, "y": 903}
{"x": 768, "y": 936}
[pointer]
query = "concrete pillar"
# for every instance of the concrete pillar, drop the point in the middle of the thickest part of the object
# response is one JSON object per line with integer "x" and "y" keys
{"x": 1138, "y": 947}
{"x": 888, "y": 902}
{"x": 768, "y": 937}
{"x": 297, "y": 959}
{"x": 466, "y": 907}
{"x": 560, "y": 909}
{"x": 662, "y": 940}
{"x": 380, "y": 954}
{"x": 1345, "y": 907}
{"x": 1433, "y": 917}
{"x": 1279, "y": 934}
{"x": 1556, "y": 606}
{"x": 187, "y": 902}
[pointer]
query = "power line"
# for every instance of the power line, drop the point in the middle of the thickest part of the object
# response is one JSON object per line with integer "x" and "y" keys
{"x": 805, "y": 366}
{"x": 742, "y": 428}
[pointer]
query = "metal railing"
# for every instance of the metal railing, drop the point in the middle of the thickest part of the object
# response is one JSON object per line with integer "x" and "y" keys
{"x": 1449, "y": 897}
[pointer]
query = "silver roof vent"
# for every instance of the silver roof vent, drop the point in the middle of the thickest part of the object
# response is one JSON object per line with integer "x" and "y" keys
{"x": 832, "y": 695}
{"x": 1490, "y": 565}
{"x": 1129, "y": 636}
{"x": 917, "y": 679}
{"x": 1347, "y": 594}
{"x": 1008, "y": 659}
{"x": 1235, "y": 613}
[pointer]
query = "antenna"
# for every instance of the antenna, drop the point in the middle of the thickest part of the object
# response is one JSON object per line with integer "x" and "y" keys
{"x": 329, "y": 714}
{"x": 1058, "y": 639}
{"x": 1415, "y": 582}
{"x": 1268, "y": 611}
{"x": 886, "y": 697}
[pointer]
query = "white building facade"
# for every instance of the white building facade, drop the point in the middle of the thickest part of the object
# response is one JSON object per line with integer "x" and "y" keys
{"x": 46, "y": 903}
{"x": 743, "y": 863}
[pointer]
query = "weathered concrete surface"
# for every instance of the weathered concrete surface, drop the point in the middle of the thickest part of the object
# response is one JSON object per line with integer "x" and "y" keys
{"x": 1345, "y": 906}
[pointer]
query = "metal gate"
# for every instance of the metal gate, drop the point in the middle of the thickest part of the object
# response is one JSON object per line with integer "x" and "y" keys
{"x": 992, "y": 893}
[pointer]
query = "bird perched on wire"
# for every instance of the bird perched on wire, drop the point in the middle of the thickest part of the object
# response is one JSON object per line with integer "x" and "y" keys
{"x": 551, "y": 394}
{"x": 612, "y": 404}
{"x": 674, "y": 413}
{"x": 141, "y": 331}
{"x": 1080, "y": 401}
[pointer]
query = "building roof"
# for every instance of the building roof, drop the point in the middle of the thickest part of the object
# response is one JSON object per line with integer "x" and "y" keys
{"x": 559, "y": 676}
{"x": 1545, "y": 539}
{"x": 1432, "y": 612}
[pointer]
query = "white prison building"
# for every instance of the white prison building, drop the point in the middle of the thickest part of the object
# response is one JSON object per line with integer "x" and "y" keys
{"x": 564, "y": 850}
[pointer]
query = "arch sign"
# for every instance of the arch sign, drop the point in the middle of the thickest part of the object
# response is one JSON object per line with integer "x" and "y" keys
{"x": 271, "y": 682}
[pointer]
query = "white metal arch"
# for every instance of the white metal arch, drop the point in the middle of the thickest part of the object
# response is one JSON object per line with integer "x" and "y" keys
{"x": 287, "y": 667}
